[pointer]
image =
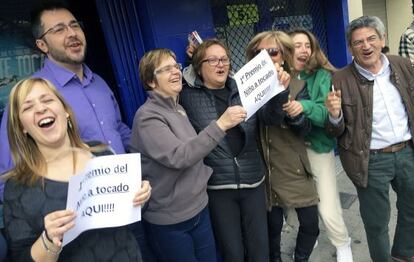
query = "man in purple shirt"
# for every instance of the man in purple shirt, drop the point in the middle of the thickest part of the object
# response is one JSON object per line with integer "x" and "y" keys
{"x": 59, "y": 35}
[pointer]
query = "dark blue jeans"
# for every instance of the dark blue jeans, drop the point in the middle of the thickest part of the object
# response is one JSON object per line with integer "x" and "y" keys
{"x": 139, "y": 232}
{"x": 188, "y": 241}
{"x": 385, "y": 170}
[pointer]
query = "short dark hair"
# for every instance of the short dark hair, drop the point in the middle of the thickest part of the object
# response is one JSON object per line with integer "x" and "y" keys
{"x": 37, "y": 12}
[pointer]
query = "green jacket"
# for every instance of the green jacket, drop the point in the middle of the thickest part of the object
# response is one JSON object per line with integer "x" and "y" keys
{"x": 319, "y": 84}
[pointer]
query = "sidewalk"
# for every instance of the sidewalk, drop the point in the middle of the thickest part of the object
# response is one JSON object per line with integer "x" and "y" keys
{"x": 325, "y": 252}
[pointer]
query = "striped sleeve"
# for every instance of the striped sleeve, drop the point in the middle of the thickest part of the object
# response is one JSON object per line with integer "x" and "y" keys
{"x": 406, "y": 48}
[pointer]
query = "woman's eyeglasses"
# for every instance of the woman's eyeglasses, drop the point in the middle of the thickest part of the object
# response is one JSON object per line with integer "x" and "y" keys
{"x": 214, "y": 61}
{"x": 270, "y": 51}
{"x": 168, "y": 68}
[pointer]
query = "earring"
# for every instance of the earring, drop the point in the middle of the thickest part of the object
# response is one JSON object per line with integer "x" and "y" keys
{"x": 69, "y": 123}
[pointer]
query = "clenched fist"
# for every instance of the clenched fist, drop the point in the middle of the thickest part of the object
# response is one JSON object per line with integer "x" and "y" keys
{"x": 333, "y": 103}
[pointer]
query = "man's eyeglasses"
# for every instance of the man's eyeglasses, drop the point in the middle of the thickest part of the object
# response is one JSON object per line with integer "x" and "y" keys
{"x": 372, "y": 39}
{"x": 62, "y": 28}
{"x": 168, "y": 68}
{"x": 214, "y": 61}
{"x": 270, "y": 51}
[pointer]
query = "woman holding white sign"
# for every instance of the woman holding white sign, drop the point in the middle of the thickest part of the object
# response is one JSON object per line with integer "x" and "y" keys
{"x": 289, "y": 179}
{"x": 313, "y": 67}
{"x": 236, "y": 188}
{"x": 47, "y": 151}
{"x": 177, "y": 219}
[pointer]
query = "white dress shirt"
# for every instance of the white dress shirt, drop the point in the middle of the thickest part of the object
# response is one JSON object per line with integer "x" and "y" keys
{"x": 389, "y": 121}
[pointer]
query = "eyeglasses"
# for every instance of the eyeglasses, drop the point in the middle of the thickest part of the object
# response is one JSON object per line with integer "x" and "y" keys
{"x": 214, "y": 61}
{"x": 370, "y": 40}
{"x": 168, "y": 68}
{"x": 270, "y": 51}
{"x": 62, "y": 28}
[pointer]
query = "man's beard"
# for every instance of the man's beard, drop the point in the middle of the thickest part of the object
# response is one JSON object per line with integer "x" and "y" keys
{"x": 62, "y": 57}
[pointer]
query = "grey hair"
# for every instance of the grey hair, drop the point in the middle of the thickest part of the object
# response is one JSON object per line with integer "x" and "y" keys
{"x": 365, "y": 21}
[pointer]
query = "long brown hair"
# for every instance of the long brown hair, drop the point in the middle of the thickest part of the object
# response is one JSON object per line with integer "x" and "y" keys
{"x": 318, "y": 59}
{"x": 30, "y": 164}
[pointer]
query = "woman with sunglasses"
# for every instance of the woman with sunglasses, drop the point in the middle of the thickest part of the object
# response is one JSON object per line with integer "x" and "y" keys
{"x": 177, "y": 219}
{"x": 289, "y": 179}
{"x": 313, "y": 67}
{"x": 236, "y": 188}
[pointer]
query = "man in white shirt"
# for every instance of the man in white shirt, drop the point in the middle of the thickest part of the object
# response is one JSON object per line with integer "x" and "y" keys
{"x": 406, "y": 48}
{"x": 371, "y": 112}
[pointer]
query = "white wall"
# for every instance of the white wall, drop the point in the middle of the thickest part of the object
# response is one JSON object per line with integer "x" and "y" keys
{"x": 355, "y": 9}
{"x": 376, "y": 8}
{"x": 399, "y": 13}
{"x": 397, "y": 17}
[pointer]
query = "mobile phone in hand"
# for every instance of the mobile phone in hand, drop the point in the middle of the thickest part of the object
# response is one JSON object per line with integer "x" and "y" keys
{"x": 194, "y": 38}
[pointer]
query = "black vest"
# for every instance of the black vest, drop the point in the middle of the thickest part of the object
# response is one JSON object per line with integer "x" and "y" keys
{"x": 244, "y": 170}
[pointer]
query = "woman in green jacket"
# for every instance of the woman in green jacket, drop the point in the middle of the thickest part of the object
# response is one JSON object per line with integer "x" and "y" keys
{"x": 312, "y": 66}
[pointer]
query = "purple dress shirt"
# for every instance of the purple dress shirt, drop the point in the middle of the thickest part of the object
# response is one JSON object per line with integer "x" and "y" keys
{"x": 95, "y": 107}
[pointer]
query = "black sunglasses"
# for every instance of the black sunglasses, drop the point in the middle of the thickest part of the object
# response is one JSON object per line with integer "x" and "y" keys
{"x": 270, "y": 51}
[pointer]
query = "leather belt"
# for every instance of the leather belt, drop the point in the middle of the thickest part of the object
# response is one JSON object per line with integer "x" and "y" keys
{"x": 393, "y": 148}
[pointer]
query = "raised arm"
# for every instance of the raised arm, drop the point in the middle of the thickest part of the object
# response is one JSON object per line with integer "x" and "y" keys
{"x": 334, "y": 125}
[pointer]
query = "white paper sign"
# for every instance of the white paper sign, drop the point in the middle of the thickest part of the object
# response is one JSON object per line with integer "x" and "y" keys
{"x": 102, "y": 194}
{"x": 257, "y": 83}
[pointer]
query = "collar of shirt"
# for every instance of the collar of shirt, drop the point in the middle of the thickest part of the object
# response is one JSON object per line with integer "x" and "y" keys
{"x": 385, "y": 69}
{"x": 63, "y": 76}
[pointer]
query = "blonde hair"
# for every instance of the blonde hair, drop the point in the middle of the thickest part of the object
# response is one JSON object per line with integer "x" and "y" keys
{"x": 30, "y": 164}
{"x": 282, "y": 40}
{"x": 317, "y": 59}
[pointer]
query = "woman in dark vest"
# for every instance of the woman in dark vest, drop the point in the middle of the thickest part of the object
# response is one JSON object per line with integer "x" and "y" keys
{"x": 236, "y": 187}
